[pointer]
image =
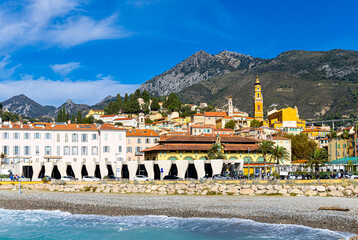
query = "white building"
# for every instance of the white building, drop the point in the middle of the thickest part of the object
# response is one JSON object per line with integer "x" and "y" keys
{"x": 56, "y": 150}
{"x": 108, "y": 118}
{"x": 127, "y": 122}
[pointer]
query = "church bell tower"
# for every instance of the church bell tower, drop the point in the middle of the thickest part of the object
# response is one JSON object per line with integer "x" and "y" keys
{"x": 258, "y": 101}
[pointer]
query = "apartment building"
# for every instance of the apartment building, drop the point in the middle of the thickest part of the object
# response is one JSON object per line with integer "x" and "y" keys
{"x": 138, "y": 140}
{"x": 39, "y": 149}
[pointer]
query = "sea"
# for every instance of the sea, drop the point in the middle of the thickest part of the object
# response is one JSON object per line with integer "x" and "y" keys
{"x": 41, "y": 224}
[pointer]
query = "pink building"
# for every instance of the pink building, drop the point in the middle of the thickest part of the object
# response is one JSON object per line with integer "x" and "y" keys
{"x": 138, "y": 140}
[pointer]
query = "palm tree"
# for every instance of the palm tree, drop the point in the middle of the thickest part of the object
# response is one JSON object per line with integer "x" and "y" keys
{"x": 279, "y": 154}
{"x": 345, "y": 134}
{"x": 317, "y": 158}
{"x": 216, "y": 152}
{"x": 350, "y": 165}
{"x": 332, "y": 134}
{"x": 264, "y": 148}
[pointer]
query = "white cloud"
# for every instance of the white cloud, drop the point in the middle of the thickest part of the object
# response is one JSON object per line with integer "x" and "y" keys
{"x": 103, "y": 77}
{"x": 142, "y": 3}
{"x": 6, "y": 71}
{"x": 65, "y": 69}
{"x": 55, "y": 92}
{"x": 52, "y": 23}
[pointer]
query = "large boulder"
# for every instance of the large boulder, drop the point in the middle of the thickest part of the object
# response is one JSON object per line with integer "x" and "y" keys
{"x": 247, "y": 191}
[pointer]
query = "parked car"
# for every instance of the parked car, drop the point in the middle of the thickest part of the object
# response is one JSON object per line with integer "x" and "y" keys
{"x": 172, "y": 178}
{"x": 142, "y": 178}
{"x": 111, "y": 177}
{"x": 90, "y": 179}
{"x": 354, "y": 177}
{"x": 221, "y": 177}
{"x": 67, "y": 178}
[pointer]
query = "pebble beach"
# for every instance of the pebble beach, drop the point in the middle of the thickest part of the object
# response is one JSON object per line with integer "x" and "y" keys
{"x": 268, "y": 209}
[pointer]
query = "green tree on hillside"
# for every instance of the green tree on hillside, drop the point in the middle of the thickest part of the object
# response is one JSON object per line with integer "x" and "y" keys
{"x": 146, "y": 96}
{"x": 79, "y": 117}
{"x": 172, "y": 103}
{"x": 230, "y": 124}
{"x": 255, "y": 123}
{"x": 302, "y": 146}
{"x": 155, "y": 105}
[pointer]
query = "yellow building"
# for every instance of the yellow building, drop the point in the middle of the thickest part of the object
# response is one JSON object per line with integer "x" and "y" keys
{"x": 96, "y": 113}
{"x": 258, "y": 102}
{"x": 196, "y": 148}
{"x": 316, "y": 132}
{"x": 286, "y": 117}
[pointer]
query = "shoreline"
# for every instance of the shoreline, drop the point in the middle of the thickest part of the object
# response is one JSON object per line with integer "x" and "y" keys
{"x": 272, "y": 210}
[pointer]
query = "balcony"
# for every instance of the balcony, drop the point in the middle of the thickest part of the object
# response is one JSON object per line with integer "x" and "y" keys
{"x": 139, "y": 154}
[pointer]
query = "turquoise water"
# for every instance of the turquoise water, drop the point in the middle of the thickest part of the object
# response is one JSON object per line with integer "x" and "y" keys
{"x": 40, "y": 224}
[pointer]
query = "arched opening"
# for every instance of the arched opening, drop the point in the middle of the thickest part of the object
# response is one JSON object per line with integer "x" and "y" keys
{"x": 56, "y": 173}
{"x": 203, "y": 158}
{"x": 172, "y": 158}
{"x": 110, "y": 170}
{"x": 208, "y": 170}
{"x": 125, "y": 171}
{"x": 173, "y": 170}
{"x": 84, "y": 171}
{"x": 142, "y": 170}
{"x": 156, "y": 172}
{"x": 42, "y": 172}
{"x": 27, "y": 171}
{"x": 97, "y": 172}
{"x": 188, "y": 158}
{"x": 69, "y": 171}
{"x": 191, "y": 172}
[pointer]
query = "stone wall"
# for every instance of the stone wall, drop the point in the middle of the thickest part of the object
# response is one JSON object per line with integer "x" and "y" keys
{"x": 211, "y": 188}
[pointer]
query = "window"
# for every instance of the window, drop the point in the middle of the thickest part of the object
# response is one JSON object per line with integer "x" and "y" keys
{"x": 147, "y": 140}
{"x": 16, "y": 135}
{"x": 106, "y": 136}
{"x": 139, "y": 140}
{"x": 94, "y": 136}
{"x": 58, "y": 151}
{"x": 58, "y": 136}
{"x": 16, "y": 150}
{"x": 138, "y": 149}
{"x": 74, "y": 137}
{"x": 74, "y": 150}
{"x": 94, "y": 151}
{"x": 37, "y": 150}
{"x": 37, "y": 136}
{"x": 106, "y": 149}
{"x": 27, "y": 150}
{"x": 48, "y": 135}
{"x": 84, "y": 150}
{"x": 5, "y": 135}
{"x": 129, "y": 140}
{"x": 119, "y": 149}
{"x": 66, "y": 150}
{"x": 84, "y": 137}
{"x": 48, "y": 150}
{"x": 26, "y": 135}
{"x": 5, "y": 150}
{"x": 120, "y": 137}
{"x": 258, "y": 95}
{"x": 129, "y": 149}
{"x": 66, "y": 137}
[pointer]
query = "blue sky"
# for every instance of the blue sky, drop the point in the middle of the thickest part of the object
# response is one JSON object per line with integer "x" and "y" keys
{"x": 53, "y": 50}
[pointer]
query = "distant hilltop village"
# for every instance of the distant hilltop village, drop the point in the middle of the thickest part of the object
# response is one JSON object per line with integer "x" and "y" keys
{"x": 144, "y": 135}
